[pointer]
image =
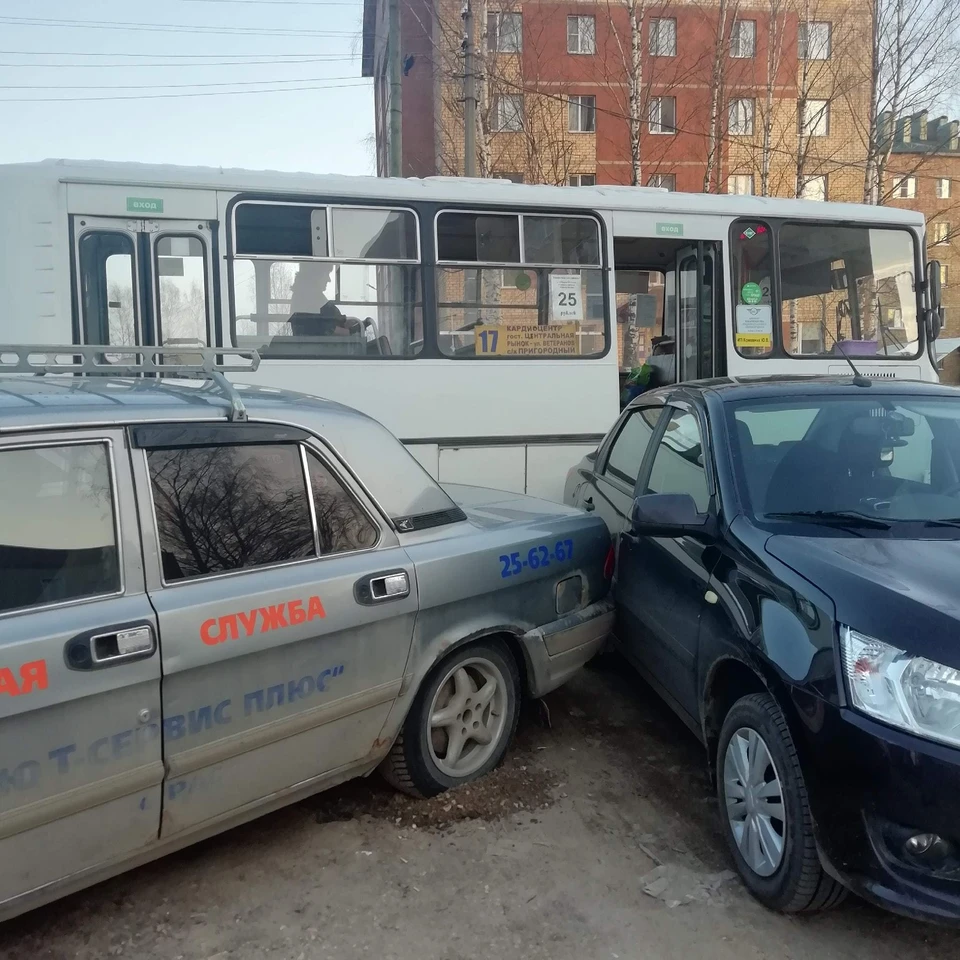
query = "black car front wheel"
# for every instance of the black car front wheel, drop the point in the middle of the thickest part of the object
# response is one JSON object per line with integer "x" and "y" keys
{"x": 764, "y": 809}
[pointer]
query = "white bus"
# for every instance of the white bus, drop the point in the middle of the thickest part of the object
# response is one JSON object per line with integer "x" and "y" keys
{"x": 478, "y": 320}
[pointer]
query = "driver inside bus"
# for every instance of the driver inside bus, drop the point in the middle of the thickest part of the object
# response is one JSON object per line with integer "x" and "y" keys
{"x": 312, "y": 312}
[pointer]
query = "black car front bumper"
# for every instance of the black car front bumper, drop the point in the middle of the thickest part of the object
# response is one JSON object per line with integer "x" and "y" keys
{"x": 871, "y": 787}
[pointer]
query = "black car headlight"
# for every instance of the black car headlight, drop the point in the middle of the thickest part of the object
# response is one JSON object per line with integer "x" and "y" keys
{"x": 912, "y": 693}
{"x": 915, "y": 694}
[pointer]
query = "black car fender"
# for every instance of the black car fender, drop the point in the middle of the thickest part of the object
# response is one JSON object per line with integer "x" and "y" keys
{"x": 771, "y": 634}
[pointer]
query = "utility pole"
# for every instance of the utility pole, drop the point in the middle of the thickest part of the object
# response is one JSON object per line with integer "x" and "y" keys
{"x": 469, "y": 95}
{"x": 396, "y": 93}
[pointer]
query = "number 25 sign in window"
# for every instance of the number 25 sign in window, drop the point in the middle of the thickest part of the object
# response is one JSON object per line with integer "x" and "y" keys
{"x": 566, "y": 297}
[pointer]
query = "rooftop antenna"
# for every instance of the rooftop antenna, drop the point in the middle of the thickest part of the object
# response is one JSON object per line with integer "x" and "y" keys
{"x": 859, "y": 380}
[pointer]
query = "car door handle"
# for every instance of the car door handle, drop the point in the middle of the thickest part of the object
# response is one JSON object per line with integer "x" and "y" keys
{"x": 589, "y": 505}
{"x": 97, "y": 649}
{"x": 390, "y": 585}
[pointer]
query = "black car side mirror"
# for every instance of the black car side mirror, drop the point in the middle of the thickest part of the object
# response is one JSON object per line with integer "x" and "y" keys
{"x": 671, "y": 515}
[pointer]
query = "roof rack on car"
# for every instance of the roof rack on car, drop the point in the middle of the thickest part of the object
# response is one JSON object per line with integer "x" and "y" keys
{"x": 173, "y": 360}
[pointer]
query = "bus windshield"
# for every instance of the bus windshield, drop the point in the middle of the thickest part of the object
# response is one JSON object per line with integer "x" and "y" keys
{"x": 842, "y": 289}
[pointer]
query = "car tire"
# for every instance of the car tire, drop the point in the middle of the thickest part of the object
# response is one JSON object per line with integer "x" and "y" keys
{"x": 758, "y": 778}
{"x": 455, "y": 710}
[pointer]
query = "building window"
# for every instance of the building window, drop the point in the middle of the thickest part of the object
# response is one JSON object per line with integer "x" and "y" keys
{"x": 663, "y": 115}
{"x": 905, "y": 188}
{"x": 814, "y": 188}
{"x": 508, "y": 113}
{"x": 666, "y": 181}
{"x": 582, "y": 180}
{"x": 741, "y": 184}
{"x": 663, "y": 37}
{"x": 581, "y": 34}
{"x": 814, "y": 40}
{"x": 504, "y": 32}
{"x": 943, "y": 188}
{"x": 944, "y": 274}
{"x": 512, "y": 177}
{"x": 582, "y": 112}
{"x": 743, "y": 39}
{"x": 815, "y": 118}
{"x": 740, "y": 119}
{"x": 941, "y": 232}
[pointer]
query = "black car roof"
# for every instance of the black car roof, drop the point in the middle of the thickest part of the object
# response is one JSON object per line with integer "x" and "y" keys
{"x": 729, "y": 389}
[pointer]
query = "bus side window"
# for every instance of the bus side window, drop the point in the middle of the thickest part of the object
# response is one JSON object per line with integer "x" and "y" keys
{"x": 752, "y": 254}
{"x": 313, "y": 282}
{"x": 107, "y": 288}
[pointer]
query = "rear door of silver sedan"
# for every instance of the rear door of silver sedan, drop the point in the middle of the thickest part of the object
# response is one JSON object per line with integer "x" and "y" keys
{"x": 286, "y": 610}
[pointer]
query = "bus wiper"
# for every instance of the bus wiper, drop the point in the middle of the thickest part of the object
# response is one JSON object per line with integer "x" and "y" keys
{"x": 845, "y": 518}
{"x": 945, "y": 522}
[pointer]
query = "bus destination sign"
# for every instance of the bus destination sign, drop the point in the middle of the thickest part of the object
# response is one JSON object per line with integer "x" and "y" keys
{"x": 520, "y": 340}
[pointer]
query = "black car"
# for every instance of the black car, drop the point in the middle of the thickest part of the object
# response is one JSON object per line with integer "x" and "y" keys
{"x": 788, "y": 579}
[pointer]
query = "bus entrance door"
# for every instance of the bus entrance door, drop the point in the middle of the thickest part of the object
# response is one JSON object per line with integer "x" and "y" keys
{"x": 699, "y": 342}
{"x": 669, "y": 284}
{"x": 143, "y": 282}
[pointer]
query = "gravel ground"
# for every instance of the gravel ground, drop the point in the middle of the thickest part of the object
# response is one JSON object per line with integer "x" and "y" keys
{"x": 596, "y": 839}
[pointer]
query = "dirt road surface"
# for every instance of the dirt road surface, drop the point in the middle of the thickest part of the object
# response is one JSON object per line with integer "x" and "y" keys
{"x": 549, "y": 857}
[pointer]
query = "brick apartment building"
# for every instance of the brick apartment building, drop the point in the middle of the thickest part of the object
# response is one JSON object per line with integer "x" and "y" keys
{"x": 555, "y": 102}
{"x": 924, "y": 174}
{"x": 555, "y": 106}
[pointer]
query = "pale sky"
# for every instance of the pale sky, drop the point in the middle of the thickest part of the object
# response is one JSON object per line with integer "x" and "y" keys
{"x": 142, "y": 50}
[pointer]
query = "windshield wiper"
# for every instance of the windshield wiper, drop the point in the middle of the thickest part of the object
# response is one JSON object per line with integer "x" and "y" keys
{"x": 947, "y": 522}
{"x": 840, "y": 518}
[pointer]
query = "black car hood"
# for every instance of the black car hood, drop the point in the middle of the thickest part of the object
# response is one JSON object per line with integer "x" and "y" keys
{"x": 904, "y": 592}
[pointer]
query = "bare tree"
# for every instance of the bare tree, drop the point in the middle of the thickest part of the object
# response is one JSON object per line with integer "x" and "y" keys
{"x": 638, "y": 108}
{"x": 726, "y": 14}
{"x": 521, "y": 114}
{"x": 776, "y": 24}
{"x": 914, "y": 64}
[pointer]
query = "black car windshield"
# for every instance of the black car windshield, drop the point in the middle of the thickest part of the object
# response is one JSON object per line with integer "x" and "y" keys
{"x": 833, "y": 460}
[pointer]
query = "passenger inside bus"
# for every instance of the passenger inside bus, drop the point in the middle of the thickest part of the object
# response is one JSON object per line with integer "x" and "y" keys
{"x": 314, "y": 316}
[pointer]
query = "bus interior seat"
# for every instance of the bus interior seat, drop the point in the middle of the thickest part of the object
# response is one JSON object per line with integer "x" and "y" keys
{"x": 380, "y": 346}
{"x": 663, "y": 362}
{"x": 308, "y": 331}
{"x": 663, "y": 370}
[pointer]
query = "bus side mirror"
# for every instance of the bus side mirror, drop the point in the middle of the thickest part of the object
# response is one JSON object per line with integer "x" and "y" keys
{"x": 934, "y": 313}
